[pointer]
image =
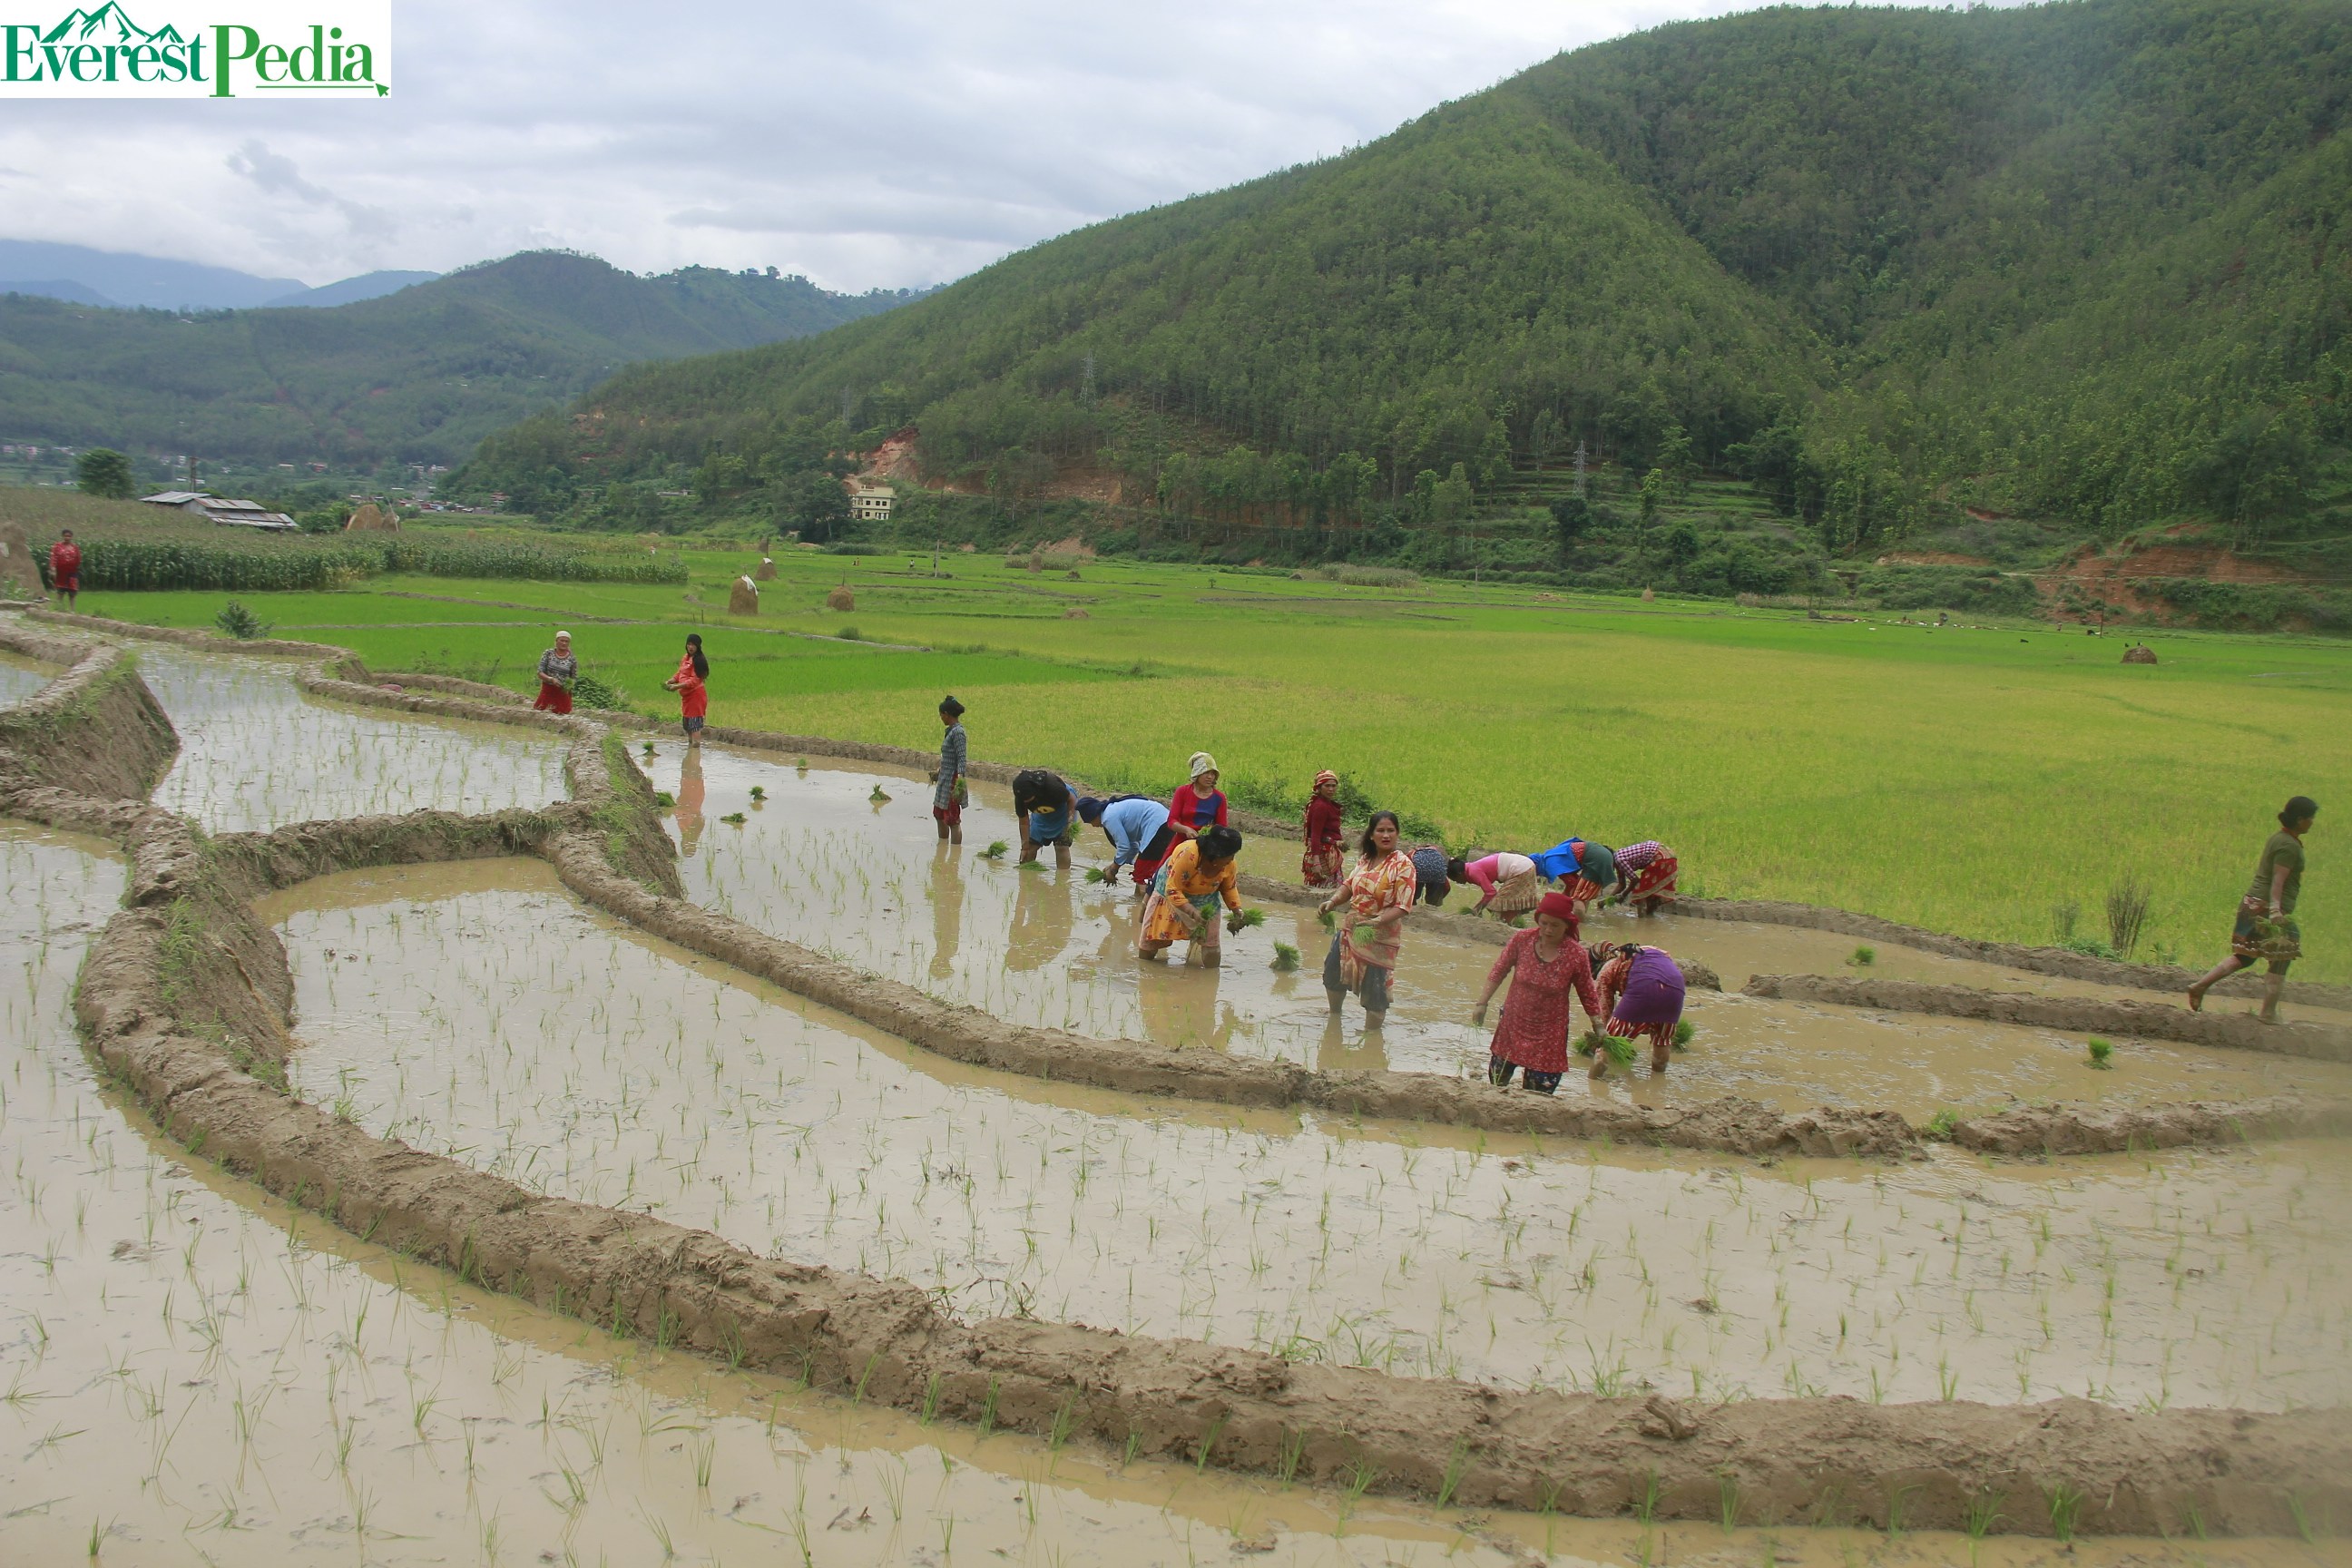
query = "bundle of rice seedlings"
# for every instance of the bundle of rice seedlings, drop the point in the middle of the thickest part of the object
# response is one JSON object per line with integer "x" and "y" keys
{"x": 734, "y": 817}
{"x": 1685, "y": 1030}
{"x": 2100, "y": 1051}
{"x": 1286, "y": 957}
{"x": 996, "y": 851}
{"x": 1252, "y": 917}
{"x": 879, "y": 797}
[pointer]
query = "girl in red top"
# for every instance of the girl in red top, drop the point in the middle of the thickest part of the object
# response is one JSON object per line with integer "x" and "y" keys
{"x": 65, "y": 567}
{"x": 693, "y": 700}
{"x": 1547, "y": 966}
{"x": 1326, "y": 838}
{"x": 1199, "y": 805}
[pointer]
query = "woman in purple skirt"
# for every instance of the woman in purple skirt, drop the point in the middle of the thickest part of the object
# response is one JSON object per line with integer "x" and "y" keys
{"x": 1642, "y": 989}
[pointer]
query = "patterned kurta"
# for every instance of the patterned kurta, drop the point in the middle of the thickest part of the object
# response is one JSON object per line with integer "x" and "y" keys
{"x": 1537, "y": 1014}
{"x": 1374, "y": 886}
{"x": 1181, "y": 882}
{"x": 952, "y": 747}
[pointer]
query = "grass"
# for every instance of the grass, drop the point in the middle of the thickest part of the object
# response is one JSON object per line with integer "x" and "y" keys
{"x": 1904, "y": 758}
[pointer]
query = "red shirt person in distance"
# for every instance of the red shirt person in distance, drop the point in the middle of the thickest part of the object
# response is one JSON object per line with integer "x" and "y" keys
{"x": 65, "y": 567}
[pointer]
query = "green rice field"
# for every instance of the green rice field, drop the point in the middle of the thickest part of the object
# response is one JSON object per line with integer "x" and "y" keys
{"x": 1978, "y": 778}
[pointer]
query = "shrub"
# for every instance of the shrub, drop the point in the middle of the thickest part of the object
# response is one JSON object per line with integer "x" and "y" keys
{"x": 240, "y": 623}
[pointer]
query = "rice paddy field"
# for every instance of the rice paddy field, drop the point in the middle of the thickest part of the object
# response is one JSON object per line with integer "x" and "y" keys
{"x": 190, "y": 1371}
{"x": 1994, "y": 780}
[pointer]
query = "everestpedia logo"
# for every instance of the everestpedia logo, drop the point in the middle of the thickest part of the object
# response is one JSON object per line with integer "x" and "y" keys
{"x": 273, "y": 46}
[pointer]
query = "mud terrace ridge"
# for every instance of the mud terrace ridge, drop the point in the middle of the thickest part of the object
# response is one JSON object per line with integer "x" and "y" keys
{"x": 184, "y": 1000}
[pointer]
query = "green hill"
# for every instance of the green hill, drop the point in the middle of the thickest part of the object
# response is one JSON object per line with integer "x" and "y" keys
{"x": 2083, "y": 263}
{"x": 418, "y": 376}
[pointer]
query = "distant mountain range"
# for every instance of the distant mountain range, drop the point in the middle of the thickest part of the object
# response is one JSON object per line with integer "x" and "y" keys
{"x": 86, "y": 276}
{"x": 392, "y": 365}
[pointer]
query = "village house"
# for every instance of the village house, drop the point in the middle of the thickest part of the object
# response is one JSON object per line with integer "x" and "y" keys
{"x": 871, "y": 503}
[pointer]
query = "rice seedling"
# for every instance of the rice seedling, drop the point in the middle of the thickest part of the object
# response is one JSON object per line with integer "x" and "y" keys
{"x": 1285, "y": 958}
{"x": 1863, "y": 957}
{"x": 2100, "y": 1051}
{"x": 996, "y": 850}
{"x": 1684, "y": 1033}
{"x": 759, "y": 791}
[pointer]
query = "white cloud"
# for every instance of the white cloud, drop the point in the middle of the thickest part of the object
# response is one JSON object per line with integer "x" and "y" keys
{"x": 897, "y": 142}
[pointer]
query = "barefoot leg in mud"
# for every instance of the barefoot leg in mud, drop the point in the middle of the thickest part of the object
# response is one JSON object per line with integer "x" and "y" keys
{"x": 2212, "y": 977}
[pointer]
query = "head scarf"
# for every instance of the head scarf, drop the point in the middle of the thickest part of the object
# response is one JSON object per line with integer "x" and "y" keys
{"x": 1560, "y": 907}
{"x": 1090, "y": 809}
{"x": 1326, "y": 776}
{"x": 1202, "y": 762}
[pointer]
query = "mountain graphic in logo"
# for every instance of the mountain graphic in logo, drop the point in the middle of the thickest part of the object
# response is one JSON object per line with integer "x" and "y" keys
{"x": 92, "y": 26}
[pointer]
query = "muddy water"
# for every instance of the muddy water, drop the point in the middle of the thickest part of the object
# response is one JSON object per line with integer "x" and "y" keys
{"x": 21, "y": 677}
{"x": 192, "y": 1373}
{"x": 478, "y": 1010}
{"x": 256, "y": 752}
{"x": 820, "y": 863}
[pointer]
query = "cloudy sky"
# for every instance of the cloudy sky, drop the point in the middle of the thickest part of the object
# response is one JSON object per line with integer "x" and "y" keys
{"x": 881, "y": 144}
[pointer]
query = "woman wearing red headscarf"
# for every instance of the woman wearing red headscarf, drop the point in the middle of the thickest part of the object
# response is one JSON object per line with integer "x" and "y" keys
{"x": 1547, "y": 966}
{"x": 1325, "y": 836}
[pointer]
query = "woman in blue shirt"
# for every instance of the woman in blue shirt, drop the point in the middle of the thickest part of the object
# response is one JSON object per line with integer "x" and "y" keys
{"x": 1140, "y": 833}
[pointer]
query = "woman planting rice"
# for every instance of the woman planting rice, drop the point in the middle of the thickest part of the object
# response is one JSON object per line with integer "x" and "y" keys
{"x": 1048, "y": 810}
{"x": 1645, "y": 876}
{"x": 1324, "y": 834}
{"x": 1642, "y": 987}
{"x": 1429, "y": 874}
{"x": 1547, "y": 966}
{"x": 1199, "y": 805}
{"x": 693, "y": 696}
{"x": 2266, "y": 928}
{"x": 1508, "y": 884}
{"x": 1184, "y": 897}
{"x": 1139, "y": 831}
{"x": 1585, "y": 869}
{"x": 557, "y": 670}
{"x": 949, "y": 790}
{"x": 1378, "y": 894}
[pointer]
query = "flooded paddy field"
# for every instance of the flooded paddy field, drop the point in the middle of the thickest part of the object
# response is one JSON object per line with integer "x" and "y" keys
{"x": 819, "y": 861}
{"x": 478, "y": 1010}
{"x": 190, "y": 1373}
{"x": 21, "y": 677}
{"x": 257, "y": 752}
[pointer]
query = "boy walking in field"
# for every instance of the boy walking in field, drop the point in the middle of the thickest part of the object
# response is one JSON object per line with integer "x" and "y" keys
{"x": 949, "y": 795}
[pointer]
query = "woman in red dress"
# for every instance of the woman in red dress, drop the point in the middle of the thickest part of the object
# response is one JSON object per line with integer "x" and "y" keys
{"x": 693, "y": 696}
{"x": 1547, "y": 966}
{"x": 1325, "y": 836}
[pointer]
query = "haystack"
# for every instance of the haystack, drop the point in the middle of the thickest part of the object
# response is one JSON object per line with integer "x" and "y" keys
{"x": 2140, "y": 655}
{"x": 841, "y": 598}
{"x": 20, "y": 574}
{"x": 371, "y": 519}
{"x": 1649, "y": 595}
{"x": 765, "y": 571}
{"x": 742, "y": 599}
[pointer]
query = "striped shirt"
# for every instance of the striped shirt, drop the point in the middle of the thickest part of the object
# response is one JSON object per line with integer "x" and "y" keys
{"x": 953, "y": 748}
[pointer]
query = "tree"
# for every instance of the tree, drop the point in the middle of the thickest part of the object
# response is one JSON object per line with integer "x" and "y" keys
{"x": 1571, "y": 516}
{"x": 1544, "y": 436}
{"x": 103, "y": 471}
{"x": 1653, "y": 491}
{"x": 1676, "y": 461}
{"x": 1682, "y": 543}
{"x": 815, "y": 504}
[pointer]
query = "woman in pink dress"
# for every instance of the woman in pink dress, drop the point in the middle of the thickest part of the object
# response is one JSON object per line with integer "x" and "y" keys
{"x": 1547, "y": 966}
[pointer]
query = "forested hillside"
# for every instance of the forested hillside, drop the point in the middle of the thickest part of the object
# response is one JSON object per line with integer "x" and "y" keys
{"x": 2083, "y": 262}
{"x": 418, "y": 376}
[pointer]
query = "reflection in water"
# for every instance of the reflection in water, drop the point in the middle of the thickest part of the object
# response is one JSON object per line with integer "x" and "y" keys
{"x": 947, "y": 908}
{"x": 690, "y": 793}
{"x": 1178, "y": 1002}
{"x": 1042, "y": 920}
{"x": 1337, "y": 1051}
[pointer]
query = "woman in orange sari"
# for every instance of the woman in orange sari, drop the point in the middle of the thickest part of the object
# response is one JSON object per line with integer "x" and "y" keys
{"x": 1378, "y": 894}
